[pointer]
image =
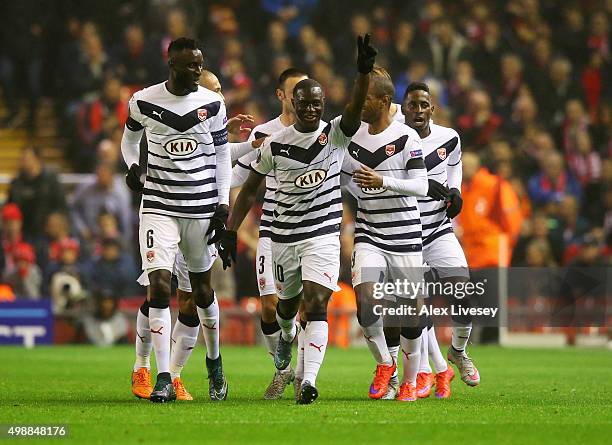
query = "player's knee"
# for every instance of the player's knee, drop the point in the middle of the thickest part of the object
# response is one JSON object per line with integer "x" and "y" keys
{"x": 287, "y": 309}
{"x": 160, "y": 290}
{"x": 144, "y": 308}
{"x": 203, "y": 294}
{"x": 410, "y": 332}
{"x": 366, "y": 316}
{"x": 317, "y": 316}
{"x": 392, "y": 336}
{"x": 268, "y": 308}
{"x": 186, "y": 303}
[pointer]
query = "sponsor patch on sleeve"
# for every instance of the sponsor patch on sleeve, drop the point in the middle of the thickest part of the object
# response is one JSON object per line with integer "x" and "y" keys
{"x": 416, "y": 153}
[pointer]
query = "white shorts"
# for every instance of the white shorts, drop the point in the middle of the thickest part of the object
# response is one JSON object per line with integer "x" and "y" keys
{"x": 372, "y": 265}
{"x": 316, "y": 260}
{"x": 446, "y": 256}
{"x": 161, "y": 237}
{"x": 263, "y": 267}
{"x": 180, "y": 270}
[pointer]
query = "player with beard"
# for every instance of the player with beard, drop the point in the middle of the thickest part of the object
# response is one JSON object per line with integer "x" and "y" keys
{"x": 306, "y": 159}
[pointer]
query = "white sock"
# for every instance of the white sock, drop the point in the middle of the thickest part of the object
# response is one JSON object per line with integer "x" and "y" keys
{"x": 315, "y": 344}
{"x": 209, "y": 319}
{"x": 184, "y": 339}
{"x": 460, "y": 337}
{"x": 375, "y": 339}
{"x": 394, "y": 351}
{"x": 411, "y": 352}
{"x": 160, "y": 324}
{"x": 287, "y": 327}
{"x": 434, "y": 351}
{"x": 424, "y": 361}
{"x": 143, "y": 342}
{"x": 299, "y": 366}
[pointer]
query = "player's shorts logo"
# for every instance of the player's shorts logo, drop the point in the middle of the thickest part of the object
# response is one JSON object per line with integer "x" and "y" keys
{"x": 442, "y": 153}
{"x": 390, "y": 150}
{"x": 322, "y": 139}
{"x": 373, "y": 190}
{"x": 181, "y": 146}
{"x": 311, "y": 179}
{"x": 202, "y": 114}
{"x": 262, "y": 283}
{"x": 151, "y": 256}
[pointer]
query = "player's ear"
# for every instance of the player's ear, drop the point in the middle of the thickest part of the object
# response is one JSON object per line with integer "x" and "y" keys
{"x": 432, "y": 109}
{"x": 280, "y": 94}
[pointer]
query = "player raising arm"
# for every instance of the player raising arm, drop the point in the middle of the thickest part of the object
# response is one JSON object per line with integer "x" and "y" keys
{"x": 306, "y": 159}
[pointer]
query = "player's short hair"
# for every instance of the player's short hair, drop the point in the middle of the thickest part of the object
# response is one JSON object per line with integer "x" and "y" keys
{"x": 416, "y": 86}
{"x": 380, "y": 71}
{"x": 289, "y": 72}
{"x": 383, "y": 86}
{"x": 181, "y": 44}
{"x": 306, "y": 84}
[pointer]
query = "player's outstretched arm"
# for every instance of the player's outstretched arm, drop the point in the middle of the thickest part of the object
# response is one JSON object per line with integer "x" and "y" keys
{"x": 244, "y": 202}
{"x": 366, "y": 56}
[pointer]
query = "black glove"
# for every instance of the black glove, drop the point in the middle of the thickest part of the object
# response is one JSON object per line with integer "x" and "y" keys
{"x": 227, "y": 248}
{"x": 455, "y": 203}
{"x": 132, "y": 178}
{"x": 366, "y": 54}
{"x": 217, "y": 223}
{"x": 436, "y": 190}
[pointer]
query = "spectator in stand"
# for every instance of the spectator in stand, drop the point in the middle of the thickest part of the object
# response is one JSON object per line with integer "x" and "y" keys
{"x": 105, "y": 324}
{"x": 538, "y": 228}
{"x": 486, "y": 57}
{"x": 37, "y": 192}
{"x": 553, "y": 182}
{"x": 12, "y": 238}
{"x": 26, "y": 277}
{"x": 57, "y": 231}
{"x": 510, "y": 84}
{"x": 461, "y": 85}
{"x": 491, "y": 211}
{"x": 599, "y": 35}
{"x": 447, "y": 48}
{"x": 97, "y": 119}
{"x": 114, "y": 272}
{"x": 88, "y": 74}
{"x": 276, "y": 44}
{"x": 109, "y": 229}
{"x": 138, "y": 64}
{"x": 107, "y": 194}
{"x": 593, "y": 82}
{"x": 405, "y": 47}
{"x": 479, "y": 123}
{"x": 293, "y": 13}
{"x": 560, "y": 87}
{"x": 68, "y": 278}
{"x": 570, "y": 36}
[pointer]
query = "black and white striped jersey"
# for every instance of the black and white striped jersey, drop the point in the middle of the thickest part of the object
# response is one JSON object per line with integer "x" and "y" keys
{"x": 307, "y": 171}
{"x": 186, "y": 136}
{"x": 442, "y": 150}
{"x": 243, "y": 166}
{"x": 385, "y": 219}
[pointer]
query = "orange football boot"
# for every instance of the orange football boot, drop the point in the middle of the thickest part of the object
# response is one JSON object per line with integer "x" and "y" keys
{"x": 443, "y": 383}
{"x": 379, "y": 385}
{"x": 181, "y": 392}
{"x": 141, "y": 383}
{"x": 407, "y": 393}
{"x": 424, "y": 386}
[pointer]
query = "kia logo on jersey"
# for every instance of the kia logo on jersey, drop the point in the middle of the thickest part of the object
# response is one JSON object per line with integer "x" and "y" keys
{"x": 390, "y": 149}
{"x": 322, "y": 139}
{"x": 181, "y": 146}
{"x": 310, "y": 179}
{"x": 442, "y": 153}
{"x": 202, "y": 114}
{"x": 373, "y": 190}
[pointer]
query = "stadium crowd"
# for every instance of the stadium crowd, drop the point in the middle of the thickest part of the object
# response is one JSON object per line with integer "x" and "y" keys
{"x": 522, "y": 81}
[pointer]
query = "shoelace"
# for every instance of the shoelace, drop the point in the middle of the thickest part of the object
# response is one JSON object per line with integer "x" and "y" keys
{"x": 179, "y": 387}
{"x": 141, "y": 378}
{"x": 380, "y": 376}
{"x": 468, "y": 364}
{"x": 217, "y": 378}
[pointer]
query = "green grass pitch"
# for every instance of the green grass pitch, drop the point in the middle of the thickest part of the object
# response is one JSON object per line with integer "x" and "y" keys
{"x": 526, "y": 396}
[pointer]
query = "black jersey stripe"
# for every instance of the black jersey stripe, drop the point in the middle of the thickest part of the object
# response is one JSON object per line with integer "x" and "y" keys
{"x": 378, "y": 198}
{"x": 395, "y": 236}
{"x": 374, "y": 158}
{"x": 398, "y": 248}
{"x": 383, "y": 211}
{"x": 311, "y": 165}
{"x": 180, "y": 159}
{"x": 312, "y": 209}
{"x": 301, "y": 223}
{"x": 436, "y": 224}
{"x": 180, "y": 196}
{"x": 265, "y": 234}
{"x": 433, "y": 159}
{"x": 175, "y": 121}
{"x": 180, "y": 183}
{"x": 300, "y": 154}
{"x": 180, "y": 170}
{"x": 297, "y": 237}
{"x": 209, "y": 208}
{"x": 307, "y": 200}
{"x": 428, "y": 239}
{"x": 388, "y": 224}
{"x": 433, "y": 212}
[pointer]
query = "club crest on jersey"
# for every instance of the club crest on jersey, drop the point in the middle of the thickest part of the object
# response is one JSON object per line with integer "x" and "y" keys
{"x": 151, "y": 256}
{"x": 390, "y": 150}
{"x": 310, "y": 179}
{"x": 322, "y": 139}
{"x": 202, "y": 114}
{"x": 181, "y": 146}
{"x": 262, "y": 283}
{"x": 441, "y": 153}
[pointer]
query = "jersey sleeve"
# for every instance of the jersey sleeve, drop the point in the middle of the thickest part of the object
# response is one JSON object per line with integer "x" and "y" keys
{"x": 337, "y": 136}
{"x": 218, "y": 131}
{"x": 264, "y": 161}
{"x": 413, "y": 148}
{"x": 132, "y": 133}
{"x": 454, "y": 168}
{"x": 240, "y": 171}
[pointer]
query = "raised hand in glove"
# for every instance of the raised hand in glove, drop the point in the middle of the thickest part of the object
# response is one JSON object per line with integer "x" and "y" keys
{"x": 436, "y": 190}
{"x": 217, "y": 223}
{"x": 227, "y": 248}
{"x": 366, "y": 54}
{"x": 455, "y": 203}
{"x": 132, "y": 178}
